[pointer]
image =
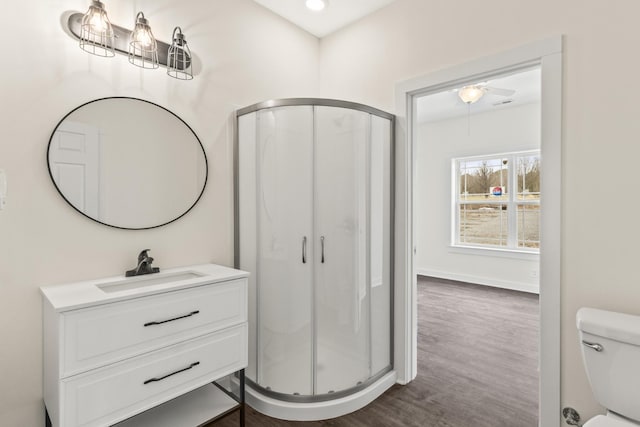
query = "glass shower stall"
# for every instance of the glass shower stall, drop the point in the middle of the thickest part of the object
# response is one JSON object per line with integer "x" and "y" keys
{"x": 314, "y": 219}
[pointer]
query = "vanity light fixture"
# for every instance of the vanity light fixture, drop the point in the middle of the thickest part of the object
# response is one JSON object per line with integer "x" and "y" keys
{"x": 316, "y": 5}
{"x": 96, "y": 33}
{"x": 143, "y": 49}
{"x": 179, "y": 57}
{"x": 99, "y": 37}
{"x": 471, "y": 94}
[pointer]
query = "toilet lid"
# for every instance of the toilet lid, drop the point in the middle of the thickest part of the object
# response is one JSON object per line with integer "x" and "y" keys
{"x": 602, "y": 421}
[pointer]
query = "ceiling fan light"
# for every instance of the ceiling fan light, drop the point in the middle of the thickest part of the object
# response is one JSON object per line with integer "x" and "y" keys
{"x": 471, "y": 94}
{"x": 316, "y": 5}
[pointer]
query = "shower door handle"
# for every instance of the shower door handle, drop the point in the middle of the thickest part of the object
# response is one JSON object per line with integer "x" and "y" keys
{"x": 304, "y": 250}
{"x": 322, "y": 249}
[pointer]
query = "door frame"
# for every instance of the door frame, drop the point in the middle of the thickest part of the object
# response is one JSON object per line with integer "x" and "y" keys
{"x": 85, "y": 155}
{"x": 547, "y": 54}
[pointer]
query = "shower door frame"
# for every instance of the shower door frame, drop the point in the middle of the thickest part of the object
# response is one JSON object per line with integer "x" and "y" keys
{"x": 320, "y": 102}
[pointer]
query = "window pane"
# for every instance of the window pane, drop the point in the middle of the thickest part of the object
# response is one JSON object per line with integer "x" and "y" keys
{"x": 484, "y": 179}
{"x": 529, "y": 177}
{"x": 483, "y": 224}
{"x": 529, "y": 226}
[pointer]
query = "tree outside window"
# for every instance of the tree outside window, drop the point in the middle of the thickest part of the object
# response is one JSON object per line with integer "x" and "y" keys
{"x": 488, "y": 213}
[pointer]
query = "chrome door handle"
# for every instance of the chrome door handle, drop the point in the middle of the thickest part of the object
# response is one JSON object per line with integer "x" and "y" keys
{"x": 597, "y": 347}
{"x": 304, "y": 250}
{"x": 322, "y": 248}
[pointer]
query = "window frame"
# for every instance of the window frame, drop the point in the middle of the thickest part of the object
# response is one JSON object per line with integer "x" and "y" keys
{"x": 512, "y": 203}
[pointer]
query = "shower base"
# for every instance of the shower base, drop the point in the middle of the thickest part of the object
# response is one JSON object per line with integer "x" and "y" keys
{"x": 313, "y": 411}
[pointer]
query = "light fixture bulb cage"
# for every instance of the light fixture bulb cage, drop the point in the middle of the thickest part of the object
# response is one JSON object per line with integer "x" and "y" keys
{"x": 96, "y": 33}
{"x": 143, "y": 48}
{"x": 179, "y": 57}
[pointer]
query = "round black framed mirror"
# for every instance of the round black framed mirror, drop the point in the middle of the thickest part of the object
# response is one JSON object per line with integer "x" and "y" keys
{"x": 127, "y": 163}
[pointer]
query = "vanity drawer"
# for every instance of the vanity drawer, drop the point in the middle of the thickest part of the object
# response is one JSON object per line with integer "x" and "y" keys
{"x": 111, "y": 394}
{"x": 108, "y": 333}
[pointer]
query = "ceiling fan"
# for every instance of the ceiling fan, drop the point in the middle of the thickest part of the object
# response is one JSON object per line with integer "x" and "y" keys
{"x": 472, "y": 93}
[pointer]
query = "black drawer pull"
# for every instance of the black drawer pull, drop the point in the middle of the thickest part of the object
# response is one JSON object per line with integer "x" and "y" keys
{"x": 152, "y": 380}
{"x": 160, "y": 322}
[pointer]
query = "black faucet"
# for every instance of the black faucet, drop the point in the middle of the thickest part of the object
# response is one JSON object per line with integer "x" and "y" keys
{"x": 144, "y": 265}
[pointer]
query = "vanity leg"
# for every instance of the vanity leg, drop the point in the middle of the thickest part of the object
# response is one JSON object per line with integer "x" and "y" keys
{"x": 242, "y": 404}
{"x": 47, "y": 420}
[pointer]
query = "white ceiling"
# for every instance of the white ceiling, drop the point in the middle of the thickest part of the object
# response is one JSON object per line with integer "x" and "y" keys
{"x": 336, "y": 15}
{"x": 447, "y": 104}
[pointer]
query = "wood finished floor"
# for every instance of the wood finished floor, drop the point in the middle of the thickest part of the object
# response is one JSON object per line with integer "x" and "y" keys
{"x": 477, "y": 365}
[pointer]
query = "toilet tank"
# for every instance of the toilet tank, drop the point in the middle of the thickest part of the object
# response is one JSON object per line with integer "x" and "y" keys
{"x": 614, "y": 372}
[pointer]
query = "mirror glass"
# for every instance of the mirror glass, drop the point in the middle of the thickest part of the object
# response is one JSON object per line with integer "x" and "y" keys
{"x": 127, "y": 163}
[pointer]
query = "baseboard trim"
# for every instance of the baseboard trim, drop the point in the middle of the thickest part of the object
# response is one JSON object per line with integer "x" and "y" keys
{"x": 504, "y": 284}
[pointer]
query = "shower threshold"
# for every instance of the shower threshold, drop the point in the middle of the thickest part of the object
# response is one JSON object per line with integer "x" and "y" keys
{"x": 313, "y": 411}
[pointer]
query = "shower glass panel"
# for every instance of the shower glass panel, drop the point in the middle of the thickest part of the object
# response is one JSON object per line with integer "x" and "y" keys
{"x": 314, "y": 229}
{"x": 380, "y": 242}
{"x": 284, "y": 205}
{"x": 341, "y": 291}
{"x": 246, "y": 221}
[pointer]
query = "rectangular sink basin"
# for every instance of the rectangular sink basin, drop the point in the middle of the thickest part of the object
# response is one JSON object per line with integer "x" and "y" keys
{"x": 147, "y": 280}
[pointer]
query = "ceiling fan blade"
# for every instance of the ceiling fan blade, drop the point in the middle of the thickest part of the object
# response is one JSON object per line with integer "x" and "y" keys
{"x": 499, "y": 91}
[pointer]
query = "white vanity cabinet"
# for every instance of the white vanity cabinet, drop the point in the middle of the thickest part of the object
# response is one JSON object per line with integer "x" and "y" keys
{"x": 115, "y": 348}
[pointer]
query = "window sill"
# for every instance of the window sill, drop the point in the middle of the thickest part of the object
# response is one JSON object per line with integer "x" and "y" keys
{"x": 494, "y": 252}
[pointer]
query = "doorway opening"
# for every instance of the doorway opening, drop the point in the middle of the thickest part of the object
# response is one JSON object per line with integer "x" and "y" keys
{"x": 477, "y": 238}
{"x": 548, "y": 55}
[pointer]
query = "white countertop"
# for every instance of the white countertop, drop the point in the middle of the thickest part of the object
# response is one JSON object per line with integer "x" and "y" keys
{"x": 88, "y": 293}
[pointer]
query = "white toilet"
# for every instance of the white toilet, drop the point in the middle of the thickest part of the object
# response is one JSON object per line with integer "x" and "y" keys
{"x": 611, "y": 353}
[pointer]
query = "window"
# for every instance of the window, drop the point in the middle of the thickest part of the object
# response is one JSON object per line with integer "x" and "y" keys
{"x": 497, "y": 201}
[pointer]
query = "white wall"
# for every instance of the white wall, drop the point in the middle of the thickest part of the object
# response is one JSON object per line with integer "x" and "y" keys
{"x": 411, "y": 38}
{"x": 245, "y": 54}
{"x": 497, "y": 131}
